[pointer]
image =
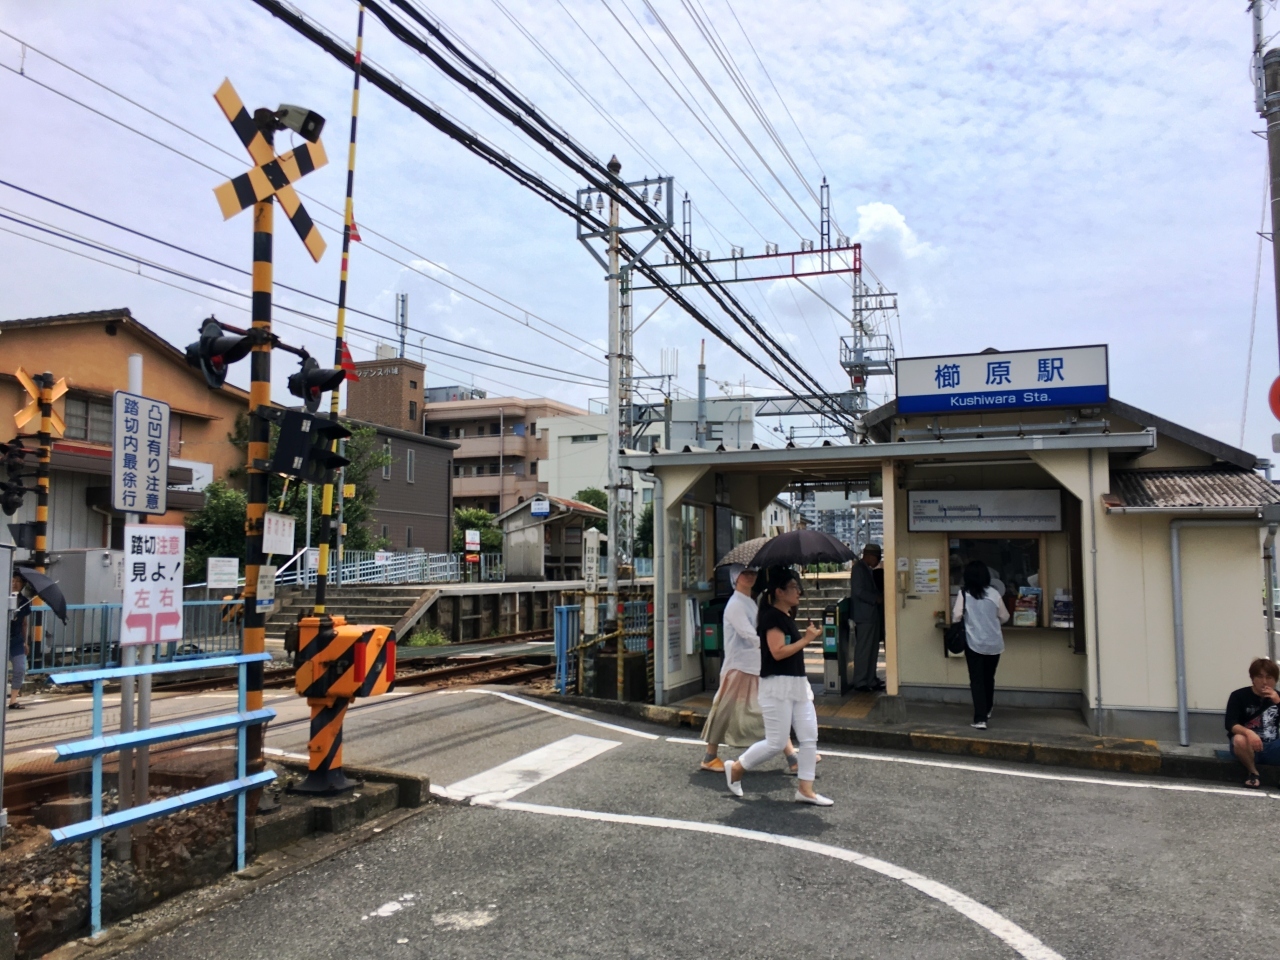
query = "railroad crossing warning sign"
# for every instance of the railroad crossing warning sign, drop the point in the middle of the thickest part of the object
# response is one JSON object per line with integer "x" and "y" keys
{"x": 152, "y": 584}
{"x": 273, "y": 175}
{"x": 32, "y": 410}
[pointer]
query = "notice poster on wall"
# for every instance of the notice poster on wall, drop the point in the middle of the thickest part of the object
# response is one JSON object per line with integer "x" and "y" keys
{"x": 928, "y": 576}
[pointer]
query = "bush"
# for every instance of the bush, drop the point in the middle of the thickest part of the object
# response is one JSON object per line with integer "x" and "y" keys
{"x": 427, "y": 638}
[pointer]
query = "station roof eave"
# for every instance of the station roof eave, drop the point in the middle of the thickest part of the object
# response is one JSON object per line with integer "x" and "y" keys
{"x": 835, "y": 460}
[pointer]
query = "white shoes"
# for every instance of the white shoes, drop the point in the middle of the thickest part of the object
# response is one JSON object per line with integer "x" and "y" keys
{"x": 734, "y": 788}
{"x": 817, "y": 800}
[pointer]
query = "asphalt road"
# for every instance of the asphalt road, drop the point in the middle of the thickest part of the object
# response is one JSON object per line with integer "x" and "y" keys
{"x": 611, "y": 843}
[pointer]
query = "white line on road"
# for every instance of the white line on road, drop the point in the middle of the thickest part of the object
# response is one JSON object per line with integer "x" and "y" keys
{"x": 1026, "y": 774}
{"x": 563, "y": 713}
{"x": 998, "y": 925}
{"x": 523, "y": 773}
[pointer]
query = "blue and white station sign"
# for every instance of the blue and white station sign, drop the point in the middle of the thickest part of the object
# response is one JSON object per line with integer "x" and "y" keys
{"x": 1017, "y": 380}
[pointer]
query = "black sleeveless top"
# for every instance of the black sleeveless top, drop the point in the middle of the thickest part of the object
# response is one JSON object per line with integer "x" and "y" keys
{"x": 771, "y": 618}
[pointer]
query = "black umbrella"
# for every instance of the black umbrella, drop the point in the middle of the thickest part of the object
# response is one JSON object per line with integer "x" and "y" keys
{"x": 46, "y": 589}
{"x": 801, "y": 546}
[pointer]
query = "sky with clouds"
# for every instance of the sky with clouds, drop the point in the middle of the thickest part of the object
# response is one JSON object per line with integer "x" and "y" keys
{"x": 1023, "y": 175}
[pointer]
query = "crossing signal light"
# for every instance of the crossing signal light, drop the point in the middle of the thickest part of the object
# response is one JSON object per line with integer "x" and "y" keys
{"x": 24, "y": 535}
{"x": 12, "y": 454}
{"x": 11, "y": 495}
{"x": 313, "y": 380}
{"x": 216, "y": 350}
{"x": 304, "y": 449}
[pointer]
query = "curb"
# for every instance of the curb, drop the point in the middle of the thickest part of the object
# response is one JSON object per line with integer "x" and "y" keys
{"x": 1105, "y": 754}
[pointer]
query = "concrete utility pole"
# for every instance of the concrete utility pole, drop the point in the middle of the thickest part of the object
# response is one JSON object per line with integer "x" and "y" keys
{"x": 1271, "y": 113}
{"x": 615, "y": 342}
{"x": 702, "y": 396}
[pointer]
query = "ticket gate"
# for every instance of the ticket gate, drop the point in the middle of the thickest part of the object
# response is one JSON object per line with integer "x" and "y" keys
{"x": 837, "y": 650}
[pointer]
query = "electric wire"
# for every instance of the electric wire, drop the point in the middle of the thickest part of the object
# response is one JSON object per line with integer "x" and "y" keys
{"x": 30, "y": 223}
{"x": 1257, "y": 282}
{"x": 506, "y": 103}
{"x": 310, "y": 198}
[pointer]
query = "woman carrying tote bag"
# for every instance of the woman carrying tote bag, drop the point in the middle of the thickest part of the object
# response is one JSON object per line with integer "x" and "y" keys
{"x": 982, "y": 609}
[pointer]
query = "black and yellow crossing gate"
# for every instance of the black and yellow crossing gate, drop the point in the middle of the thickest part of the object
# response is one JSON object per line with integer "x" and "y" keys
{"x": 337, "y": 662}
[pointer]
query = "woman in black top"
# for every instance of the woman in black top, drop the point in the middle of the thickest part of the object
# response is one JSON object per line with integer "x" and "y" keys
{"x": 786, "y": 699}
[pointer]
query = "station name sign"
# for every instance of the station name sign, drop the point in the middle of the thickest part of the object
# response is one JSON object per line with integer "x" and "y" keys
{"x": 1017, "y": 380}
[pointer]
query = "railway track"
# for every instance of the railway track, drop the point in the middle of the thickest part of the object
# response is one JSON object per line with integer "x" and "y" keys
{"x": 23, "y": 790}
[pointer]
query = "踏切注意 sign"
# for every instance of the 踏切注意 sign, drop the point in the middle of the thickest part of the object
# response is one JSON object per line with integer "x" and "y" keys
{"x": 139, "y": 454}
{"x": 152, "y": 584}
{"x": 1016, "y": 380}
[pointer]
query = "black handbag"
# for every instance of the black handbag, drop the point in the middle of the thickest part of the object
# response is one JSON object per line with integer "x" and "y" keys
{"x": 954, "y": 635}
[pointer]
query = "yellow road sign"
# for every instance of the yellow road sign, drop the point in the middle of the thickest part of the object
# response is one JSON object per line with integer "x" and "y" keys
{"x": 233, "y": 109}
{"x": 32, "y": 410}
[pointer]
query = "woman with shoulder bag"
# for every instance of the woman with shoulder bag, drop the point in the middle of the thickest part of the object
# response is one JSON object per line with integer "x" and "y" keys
{"x": 786, "y": 699}
{"x": 982, "y": 610}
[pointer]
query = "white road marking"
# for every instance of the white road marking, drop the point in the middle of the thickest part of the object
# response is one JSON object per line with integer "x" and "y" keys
{"x": 564, "y": 713}
{"x": 1026, "y": 774}
{"x": 523, "y": 773}
{"x": 1036, "y": 775}
{"x": 994, "y": 923}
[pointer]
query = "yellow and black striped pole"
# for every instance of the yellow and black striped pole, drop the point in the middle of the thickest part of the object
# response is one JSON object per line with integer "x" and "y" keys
{"x": 328, "y": 530}
{"x": 40, "y": 556}
{"x": 259, "y": 444}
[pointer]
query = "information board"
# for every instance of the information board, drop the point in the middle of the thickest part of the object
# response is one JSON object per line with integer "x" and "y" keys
{"x": 278, "y": 534}
{"x": 1015, "y": 380}
{"x": 222, "y": 573}
{"x": 1009, "y": 511}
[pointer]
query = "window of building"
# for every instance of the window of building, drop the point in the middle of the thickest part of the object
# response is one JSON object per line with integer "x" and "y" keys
{"x": 494, "y": 429}
{"x": 413, "y": 410}
{"x": 693, "y": 547}
{"x": 646, "y": 495}
{"x": 88, "y": 420}
{"x": 462, "y": 432}
{"x": 586, "y": 438}
{"x": 493, "y": 469}
{"x": 1014, "y": 565}
{"x": 408, "y": 538}
{"x": 493, "y": 506}
{"x": 740, "y": 528}
{"x": 413, "y": 384}
{"x": 533, "y": 468}
{"x": 386, "y": 467}
{"x": 175, "y": 435}
{"x": 408, "y": 464}
{"x": 384, "y": 531}
{"x": 457, "y": 470}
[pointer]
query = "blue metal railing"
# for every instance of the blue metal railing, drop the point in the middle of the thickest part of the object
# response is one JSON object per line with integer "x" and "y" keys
{"x": 100, "y": 744}
{"x": 568, "y": 634}
{"x": 90, "y": 637}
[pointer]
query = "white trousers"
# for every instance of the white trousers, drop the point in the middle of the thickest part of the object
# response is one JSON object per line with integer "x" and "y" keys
{"x": 780, "y": 716}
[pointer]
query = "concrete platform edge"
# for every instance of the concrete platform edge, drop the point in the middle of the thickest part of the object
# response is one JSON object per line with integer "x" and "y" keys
{"x": 1110, "y": 755}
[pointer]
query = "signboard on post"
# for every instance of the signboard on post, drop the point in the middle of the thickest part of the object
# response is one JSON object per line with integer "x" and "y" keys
{"x": 472, "y": 541}
{"x": 277, "y": 534}
{"x": 139, "y": 454}
{"x": 591, "y": 574}
{"x": 152, "y": 584}
{"x": 313, "y": 558}
{"x": 539, "y": 507}
{"x": 266, "y": 588}
{"x": 222, "y": 573}
{"x": 1017, "y": 380}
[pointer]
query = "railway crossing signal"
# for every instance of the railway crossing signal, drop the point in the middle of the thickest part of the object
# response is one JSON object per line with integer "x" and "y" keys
{"x": 305, "y": 448}
{"x": 274, "y": 175}
{"x": 271, "y": 178}
{"x": 215, "y": 351}
{"x": 13, "y": 455}
{"x": 312, "y": 380}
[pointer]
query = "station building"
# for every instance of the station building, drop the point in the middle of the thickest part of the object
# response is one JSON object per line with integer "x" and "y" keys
{"x": 1131, "y": 548}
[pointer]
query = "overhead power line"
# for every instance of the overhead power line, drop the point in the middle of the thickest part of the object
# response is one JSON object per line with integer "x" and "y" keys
{"x": 506, "y": 103}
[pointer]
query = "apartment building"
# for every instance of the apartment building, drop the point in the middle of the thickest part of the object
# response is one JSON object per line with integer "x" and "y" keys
{"x": 501, "y": 450}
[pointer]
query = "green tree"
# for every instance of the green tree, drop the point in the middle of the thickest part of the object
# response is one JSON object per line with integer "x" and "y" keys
{"x": 215, "y": 530}
{"x": 219, "y": 525}
{"x": 598, "y": 499}
{"x": 474, "y": 518}
{"x": 644, "y": 532}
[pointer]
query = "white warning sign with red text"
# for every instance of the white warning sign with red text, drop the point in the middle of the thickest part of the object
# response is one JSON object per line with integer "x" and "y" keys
{"x": 152, "y": 584}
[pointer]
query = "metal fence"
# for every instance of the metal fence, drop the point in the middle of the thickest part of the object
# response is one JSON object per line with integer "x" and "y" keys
{"x": 90, "y": 638}
{"x": 368, "y": 566}
{"x": 637, "y": 637}
{"x": 643, "y": 566}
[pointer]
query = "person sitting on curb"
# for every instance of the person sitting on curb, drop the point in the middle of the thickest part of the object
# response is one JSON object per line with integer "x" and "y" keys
{"x": 1253, "y": 720}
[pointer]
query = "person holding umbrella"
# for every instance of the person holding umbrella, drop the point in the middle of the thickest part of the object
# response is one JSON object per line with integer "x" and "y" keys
{"x": 735, "y": 717}
{"x": 17, "y": 644}
{"x": 786, "y": 699}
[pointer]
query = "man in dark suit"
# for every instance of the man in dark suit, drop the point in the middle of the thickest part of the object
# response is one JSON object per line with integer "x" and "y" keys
{"x": 866, "y": 609}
